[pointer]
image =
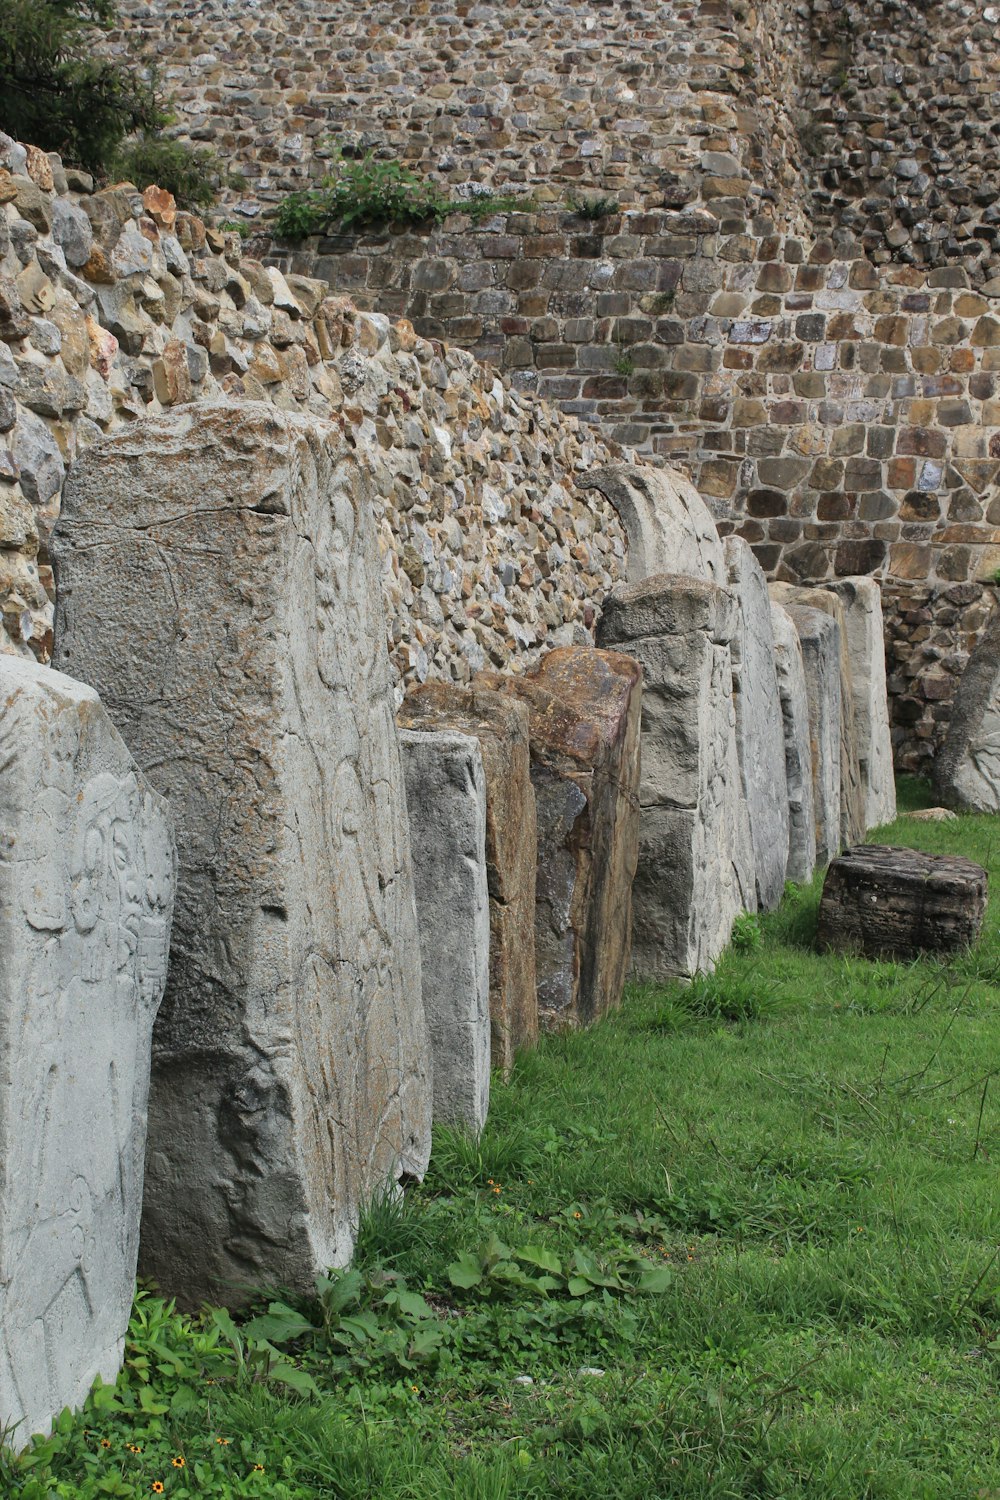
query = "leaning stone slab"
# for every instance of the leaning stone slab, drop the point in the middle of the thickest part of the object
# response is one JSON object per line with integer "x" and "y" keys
{"x": 86, "y": 890}
{"x": 669, "y": 526}
{"x": 798, "y": 754}
{"x": 760, "y": 735}
{"x": 501, "y": 727}
{"x": 446, "y": 801}
{"x": 885, "y": 902}
{"x": 695, "y": 870}
{"x": 853, "y": 794}
{"x": 862, "y": 601}
{"x": 219, "y": 585}
{"x": 819, "y": 637}
{"x": 967, "y": 766}
{"x": 584, "y": 731}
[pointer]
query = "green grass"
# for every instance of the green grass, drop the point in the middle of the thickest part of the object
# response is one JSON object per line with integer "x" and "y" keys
{"x": 764, "y": 1206}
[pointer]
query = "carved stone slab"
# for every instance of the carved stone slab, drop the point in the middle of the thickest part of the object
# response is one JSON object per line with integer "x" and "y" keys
{"x": 798, "y": 753}
{"x": 500, "y": 724}
{"x": 853, "y": 791}
{"x": 695, "y": 870}
{"x": 760, "y": 736}
{"x": 446, "y": 800}
{"x": 670, "y": 528}
{"x": 219, "y": 585}
{"x": 86, "y": 890}
{"x": 862, "y": 601}
{"x": 895, "y": 903}
{"x": 819, "y": 636}
{"x": 584, "y": 708}
{"x": 967, "y": 766}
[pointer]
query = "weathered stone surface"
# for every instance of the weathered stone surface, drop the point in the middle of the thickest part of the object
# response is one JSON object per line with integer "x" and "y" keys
{"x": 819, "y": 636}
{"x": 584, "y": 708}
{"x": 219, "y": 585}
{"x": 967, "y": 766}
{"x": 896, "y": 903}
{"x": 853, "y": 794}
{"x": 862, "y": 601}
{"x": 669, "y": 526}
{"x": 760, "y": 735}
{"x": 86, "y": 889}
{"x": 798, "y": 753}
{"x": 500, "y": 724}
{"x": 695, "y": 871}
{"x": 446, "y": 802}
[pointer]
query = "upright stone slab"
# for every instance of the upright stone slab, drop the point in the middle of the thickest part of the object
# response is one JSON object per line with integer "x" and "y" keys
{"x": 853, "y": 795}
{"x": 862, "y": 601}
{"x": 584, "y": 708}
{"x": 446, "y": 801}
{"x": 670, "y": 528}
{"x": 760, "y": 735}
{"x": 219, "y": 585}
{"x": 695, "y": 870}
{"x": 86, "y": 890}
{"x": 967, "y": 766}
{"x": 819, "y": 637}
{"x": 501, "y": 727}
{"x": 798, "y": 753}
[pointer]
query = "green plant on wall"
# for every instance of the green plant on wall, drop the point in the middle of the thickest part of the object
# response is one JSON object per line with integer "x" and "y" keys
{"x": 592, "y": 208}
{"x": 190, "y": 173}
{"x": 366, "y": 191}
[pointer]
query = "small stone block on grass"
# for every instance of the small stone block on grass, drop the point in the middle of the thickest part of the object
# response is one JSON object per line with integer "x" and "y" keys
{"x": 884, "y": 902}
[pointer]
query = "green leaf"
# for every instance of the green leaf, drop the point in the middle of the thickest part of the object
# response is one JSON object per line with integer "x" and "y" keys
{"x": 149, "y": 1403}
{"x": 538, "y": 1255}
{"x": 465, "y": 1272}
{"x": 656, "y": 1279}
{"x": 280, "y": 1325}
{"x": 296, "y": 1379}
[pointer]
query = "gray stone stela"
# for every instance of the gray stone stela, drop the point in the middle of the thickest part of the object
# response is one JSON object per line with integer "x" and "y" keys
{"x": 967, "y": 768}
{"x": 695, "y": 870}
{"x": 219, "y": 585}
{"x": 819, "y": 637}
{"x": 760, "y": 735}
{"x": 446, "y": 802}
{"x": 862, "y": 601}
{"x": 670, "y": 528}
{"x": 500, "y": 724}
{"x": 86, "y": 891}
{"x": 798, "y": 753}
{"x": 584, "y": 711}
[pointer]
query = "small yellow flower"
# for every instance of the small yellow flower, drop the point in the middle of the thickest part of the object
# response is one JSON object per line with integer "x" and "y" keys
{"x": 498, "y": 1190}
{"x": 258, "y": 1469}
{"x": 177, "y": 1462}
{"x": 133, "y": 1447}
{"x": 490, "y": 1181}
{"x": 105, "y": 1442}
{"x": 578, "y": 1215}
{"x": 224, "y": 1441}
{"x": 415, "y": 1389}
{"x": 157, "y": 1487}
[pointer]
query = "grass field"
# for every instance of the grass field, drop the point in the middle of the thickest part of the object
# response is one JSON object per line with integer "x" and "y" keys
{"x": 741, "y": 1240}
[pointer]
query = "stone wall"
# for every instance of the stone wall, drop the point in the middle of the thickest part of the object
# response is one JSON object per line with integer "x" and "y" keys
{"x": 113, "y": 305}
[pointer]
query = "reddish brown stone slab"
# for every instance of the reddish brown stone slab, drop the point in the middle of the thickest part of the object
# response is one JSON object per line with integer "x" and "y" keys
{"x": 584, "y": 708}
{"x": 500, "y": 724}
{"x": 885, "y": 902}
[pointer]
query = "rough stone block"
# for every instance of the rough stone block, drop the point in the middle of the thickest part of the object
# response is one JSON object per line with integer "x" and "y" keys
{"x": 862, "y": 601}
{"x": 86, "y": 891}
{"x": 798, "y": 754}
{"x": 760, "y": 736}
{"x": 896, "y": 903}
{"x": 819, "y": 637}
{"x": 967, "y": 767}
{"x": 695, "y": 871}
{"x": 584, "y": 708}
{"x": 219, "y": 585}
{"x": 446, "y": 801}
{"x": 501, "y": 727}
{"x": 670, "y": 528}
